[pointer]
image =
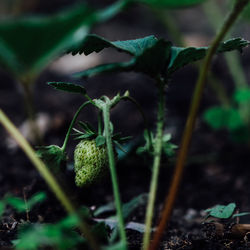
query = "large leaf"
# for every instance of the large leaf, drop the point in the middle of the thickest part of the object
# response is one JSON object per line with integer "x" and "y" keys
{"x": 151, "y": 56}
{"x": 94, "y": 43}
{"x": 171, "y": 3}
{"x": 28, "y": 44}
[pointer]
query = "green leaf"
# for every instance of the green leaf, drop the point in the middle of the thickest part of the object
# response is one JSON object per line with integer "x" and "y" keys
{"x": 20, "y": 205}
{"x": 17, "y": 203}
{"x": 221, "y": 117}
{"x": 36, "y": 198}
{"x": 52, "y": 35}
{"x": 110, "y": 207}
{"x": 68, "y": 87}
{"x": 59, "y": 235}
{"x": 233, "y": 44}
{"x": 221, "y": 211}
{"x": 150, "y": 55}
{"x": 242, "y": 95}
{"x": 53, "y": 156}
{"x": 93, "y": 43}
{"x": 130, "y": 206}
{"x": 100, "y": 140}
{"x": 171, "y": 3}
{"x": 240, "y": 214}
{"x": 183, "y": 56}
{"x": 87, "y": 127}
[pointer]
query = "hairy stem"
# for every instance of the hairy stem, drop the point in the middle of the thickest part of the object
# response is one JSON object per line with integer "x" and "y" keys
{"x": 156, "y": 165}
{"x": 46, "y": 174}
{"x": 111, "y": 156}
{"x": 171, "y": 197}
{"x": 72, "y": 124}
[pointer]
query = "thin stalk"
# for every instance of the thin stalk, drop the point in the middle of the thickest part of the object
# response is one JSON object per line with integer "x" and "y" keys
{"x": 111, "y": 156}
{"x": 171, "y": 25}
{"x": 30, "y": 110}
{"x": 48, "y": 177}
{"x": 156, "y": 166}
{"x": 131, "y": 99}
{"x": 171, "y": 197}
{"x": 72, "y": 124}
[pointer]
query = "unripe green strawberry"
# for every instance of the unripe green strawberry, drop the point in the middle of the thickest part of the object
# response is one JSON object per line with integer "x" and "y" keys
{"x": 91, "y": 162}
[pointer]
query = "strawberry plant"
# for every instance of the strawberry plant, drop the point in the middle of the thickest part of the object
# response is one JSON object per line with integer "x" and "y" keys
{"x": 95, "y": 155}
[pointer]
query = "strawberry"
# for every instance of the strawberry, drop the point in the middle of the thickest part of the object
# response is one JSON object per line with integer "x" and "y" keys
{"x": 91, "y": 162}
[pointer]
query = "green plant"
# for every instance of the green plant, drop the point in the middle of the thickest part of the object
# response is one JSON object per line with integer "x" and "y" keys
{"x": 159, "y": 60}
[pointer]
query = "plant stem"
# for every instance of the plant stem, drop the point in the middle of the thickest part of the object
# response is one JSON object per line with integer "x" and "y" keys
{"x": 131, "y": 99}
{"x": 45, "y": 173}
{"x": 171, "y": 197}
{"x": 72, "y": 124}
{"x": 156, "y": 165}
{"x": 111, "y": 156}
{"x": 27, "y": 86}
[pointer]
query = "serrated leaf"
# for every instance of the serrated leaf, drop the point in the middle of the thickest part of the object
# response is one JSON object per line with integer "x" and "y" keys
{"x": 93, "y": 43}
{"x": 233, "y": 44}
{"x": 53, "y": 156}
{"x": 223, "y": 212}
{"x": 68, "y": 87}
{"x": 220, "y": 118}
{"x": 100, "y": 140}
{"x": 170, "y": 3}
{"x": 150, "y": 57}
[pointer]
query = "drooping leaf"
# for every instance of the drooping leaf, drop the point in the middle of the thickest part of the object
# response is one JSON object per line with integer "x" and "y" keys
{"x": 100, "y": 140}
{"x": 68, "y": 87}
{"x": 221, "y": 118}
{"x": 221, "y": 211}
{"x": 53, "y": 156}
{"x": 28, "y": 44}
{"x": 183, "y": 56}
{"x": 170, "y": 3}
{"x": 130, "y": 206}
